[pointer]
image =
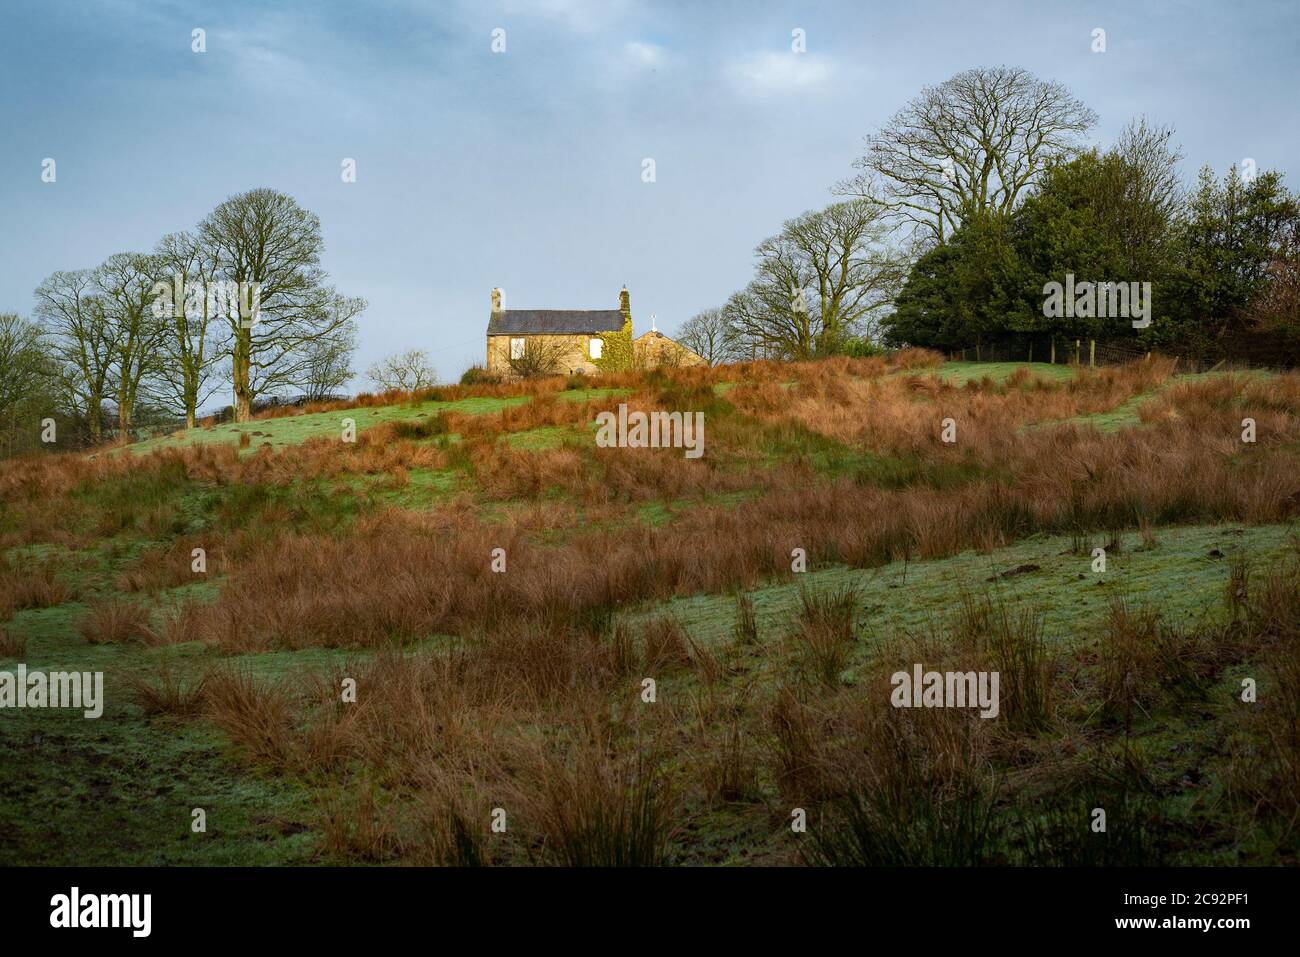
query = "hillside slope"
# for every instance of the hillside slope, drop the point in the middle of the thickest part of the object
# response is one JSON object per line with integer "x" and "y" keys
{"x": 500, "y": 588}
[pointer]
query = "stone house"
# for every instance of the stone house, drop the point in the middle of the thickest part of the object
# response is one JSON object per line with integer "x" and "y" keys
{"x": 654, "y": 349}
{"x": 574, "y": 341}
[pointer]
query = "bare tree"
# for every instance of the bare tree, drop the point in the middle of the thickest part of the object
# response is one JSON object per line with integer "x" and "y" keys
{"x": 269, "y": 247}
{"x": 125, "y": 282}
{"x": 71, "y": 312}
{"x": 408, "y": 371}
{"x": 972, "y": 144}
{"x": 1277, "y": 306}
{"x": 541, "y": 357}
{"x": 328, "y": 365}
{"x": 828, "y": 275}
{"x": 22, "y": 365}
{"x": 187, "y": 271}
{"x": 333, "y": 330}
{"x": 25, "y": 379}
{"x": 1139, "y": 196}
{"x": 711, "y": 337}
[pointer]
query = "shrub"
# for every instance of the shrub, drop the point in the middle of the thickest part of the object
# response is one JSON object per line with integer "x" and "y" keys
{"x": 477, "y": 375}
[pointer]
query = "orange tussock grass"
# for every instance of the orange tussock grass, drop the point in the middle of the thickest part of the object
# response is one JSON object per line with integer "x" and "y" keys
{"x": 116, "y": 620}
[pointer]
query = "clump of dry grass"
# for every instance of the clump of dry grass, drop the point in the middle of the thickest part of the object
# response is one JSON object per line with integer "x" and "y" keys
{"x": 30, "y": 584}
{"x": 256, "y": 714}
{"x": 800, "y": 739}
{"x": 824, "y": 631}
{"x": 158, "y": 569}
{"x": 1011, "y": 641}
{"x": 665, "y": 644}
{"x": 745, "y": 630}
{"x": 1144, "y": 661}
{"x": 731, "y": 773}
{"x": 12, "y": 644}
{"x": 599, "y": 813}
{"x": 116, "y": 620}
{"x": 170, "y": 694}
{"x": 1265, "y": 757}
{"x": 360, "y": 823}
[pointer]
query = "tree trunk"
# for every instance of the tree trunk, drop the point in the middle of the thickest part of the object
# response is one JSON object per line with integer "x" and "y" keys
{"x": 243, "y": 393}
{"x": 94, "y": 417}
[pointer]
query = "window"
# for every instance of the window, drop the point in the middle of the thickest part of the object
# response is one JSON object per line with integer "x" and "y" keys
{"x": 597, "y": 345}
{"x": 516, "y": 348}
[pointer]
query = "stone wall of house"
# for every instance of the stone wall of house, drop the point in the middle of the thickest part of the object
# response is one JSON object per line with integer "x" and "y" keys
{"x": 650, "y": 351}
{"x": 654, "y": 350}
{"x": 574, "y": 352}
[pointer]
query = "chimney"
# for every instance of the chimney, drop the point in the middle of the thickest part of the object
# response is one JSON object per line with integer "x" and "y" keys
{"x": 498, "y": 299}
{"x": 625, "y": 304}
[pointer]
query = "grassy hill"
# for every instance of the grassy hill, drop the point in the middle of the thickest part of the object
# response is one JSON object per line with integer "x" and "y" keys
{"x": 354, "y": 676}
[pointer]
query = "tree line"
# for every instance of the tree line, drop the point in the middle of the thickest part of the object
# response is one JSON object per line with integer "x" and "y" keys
{"x": 240, "y": 302}
{"x": 977, "y": 199}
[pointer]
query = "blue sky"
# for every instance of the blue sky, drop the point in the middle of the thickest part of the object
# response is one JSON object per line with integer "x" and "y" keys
{"x": 523, "y": 169}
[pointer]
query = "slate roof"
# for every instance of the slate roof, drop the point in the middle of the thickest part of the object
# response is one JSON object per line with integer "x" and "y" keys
{"x": 554, "y": 322}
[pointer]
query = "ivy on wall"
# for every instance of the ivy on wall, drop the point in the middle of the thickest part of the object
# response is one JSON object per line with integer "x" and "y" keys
{"x": 616, "y": 356}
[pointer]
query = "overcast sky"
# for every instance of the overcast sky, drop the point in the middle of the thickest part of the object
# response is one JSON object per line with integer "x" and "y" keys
{"x": 523, "y": 169}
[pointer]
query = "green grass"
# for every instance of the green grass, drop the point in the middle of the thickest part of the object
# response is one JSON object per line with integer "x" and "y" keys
{"x": 295, "y": 429}
{"x": 544, "y": 437}
{"x": 1126, "y": 414}
{"x": 959, "y": 373}
{"x": 1178, "y": 569}
{"x": 120, "y": 789}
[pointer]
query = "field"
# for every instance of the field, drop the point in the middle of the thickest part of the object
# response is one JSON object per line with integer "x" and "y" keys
{"x": 473, "y": 636}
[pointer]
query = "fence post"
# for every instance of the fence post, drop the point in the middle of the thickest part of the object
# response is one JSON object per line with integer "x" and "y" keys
{"x": 1092, "y": 353}
{"x": 1077, "y": 356}
{"x": 1053, "y": 350}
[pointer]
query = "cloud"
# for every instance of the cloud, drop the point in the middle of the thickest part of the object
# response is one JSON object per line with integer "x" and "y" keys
{"x": 648, "y": 56}
{"x": 581, "y": 16}
{"x": 773, "y": 73}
